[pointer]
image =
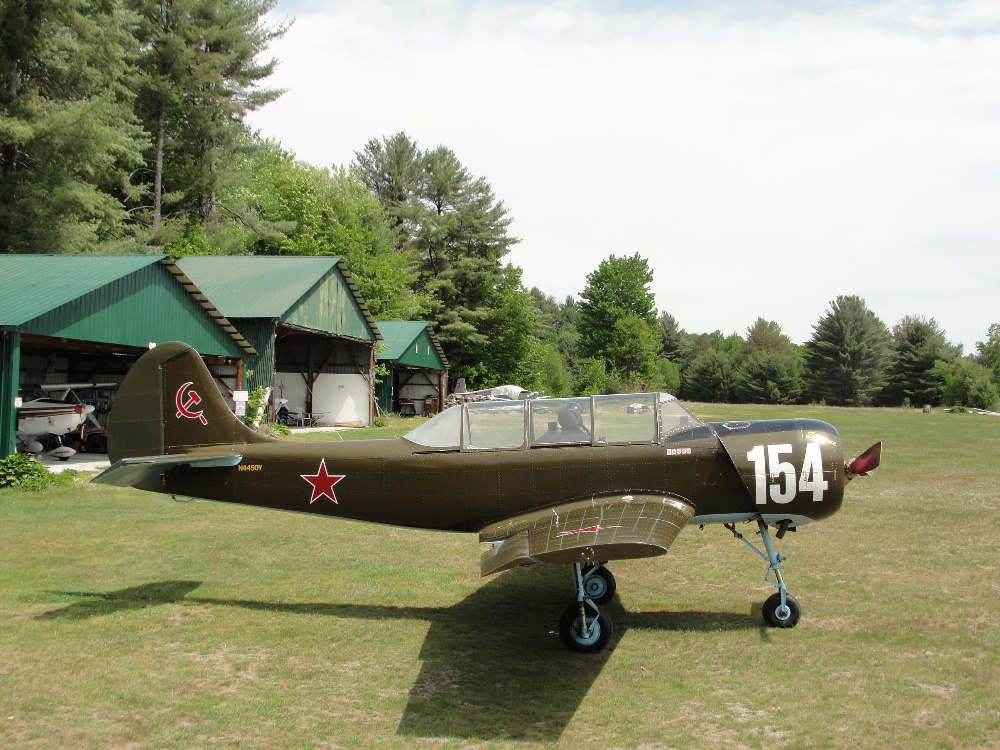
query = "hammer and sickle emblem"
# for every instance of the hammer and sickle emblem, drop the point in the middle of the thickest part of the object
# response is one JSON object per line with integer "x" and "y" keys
{"x": 184, "y": 405}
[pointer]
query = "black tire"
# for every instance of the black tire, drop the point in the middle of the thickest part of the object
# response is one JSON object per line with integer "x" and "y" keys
{"x": 775, "y": 617}
{"x": 600, "y": 586}
{"x": 571, "y": 632}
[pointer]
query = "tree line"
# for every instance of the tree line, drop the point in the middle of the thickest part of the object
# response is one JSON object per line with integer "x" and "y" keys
{"x": 122, "y": 129}
{"x": 613, "y": 339}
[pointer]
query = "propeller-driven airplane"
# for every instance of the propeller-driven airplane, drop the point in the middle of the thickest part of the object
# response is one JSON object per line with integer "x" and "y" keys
{"x": 45, "y": 415}
{"x": 575, "y": 481}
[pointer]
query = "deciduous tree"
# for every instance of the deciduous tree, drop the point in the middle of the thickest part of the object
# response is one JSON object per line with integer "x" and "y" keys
{"x": 289, "y": 207}
{"x": 968, "y": 383}
{"x": 989, "y": 352}
{"x": 617, "y": 290}
{"x": 633, "y": 348}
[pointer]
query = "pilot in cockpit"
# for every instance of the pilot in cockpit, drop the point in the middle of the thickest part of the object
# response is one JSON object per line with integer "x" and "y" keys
{"x": 569, "y": 429}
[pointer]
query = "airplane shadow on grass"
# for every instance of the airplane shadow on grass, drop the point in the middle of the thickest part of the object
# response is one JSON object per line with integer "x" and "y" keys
{"x": 493, "y": 665}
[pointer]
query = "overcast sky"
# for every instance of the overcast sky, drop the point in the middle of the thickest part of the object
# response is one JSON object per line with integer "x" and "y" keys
{"x": 764, "y": 157}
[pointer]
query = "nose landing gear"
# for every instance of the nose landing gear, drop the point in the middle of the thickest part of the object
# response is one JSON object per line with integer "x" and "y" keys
{"x": 781, "y": 610}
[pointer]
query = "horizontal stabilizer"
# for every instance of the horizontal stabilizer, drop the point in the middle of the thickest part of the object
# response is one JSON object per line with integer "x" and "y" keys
{"x": 596, "y": 530}
{"x": 131, "y": 471}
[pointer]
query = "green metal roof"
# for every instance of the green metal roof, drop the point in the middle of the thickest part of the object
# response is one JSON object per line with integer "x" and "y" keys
{"x": 119, "y": 299}
{"x": 33, "y": 285}
{"x": 312, "y": 291}
{"x": 411, "y": 342}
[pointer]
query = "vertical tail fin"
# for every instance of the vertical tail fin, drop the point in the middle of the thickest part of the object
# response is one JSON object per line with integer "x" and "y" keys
{"x": 169, "y": 403}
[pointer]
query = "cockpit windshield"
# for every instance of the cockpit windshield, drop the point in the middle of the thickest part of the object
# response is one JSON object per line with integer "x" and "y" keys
{"x": 592, "y": 420}
{"x": 443, "y": 431}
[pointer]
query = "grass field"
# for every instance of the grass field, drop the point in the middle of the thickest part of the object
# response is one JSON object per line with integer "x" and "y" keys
{"x": 128, "y": 620}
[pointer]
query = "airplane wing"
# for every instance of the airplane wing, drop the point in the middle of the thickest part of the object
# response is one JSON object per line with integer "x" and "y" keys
{"x": 596, "y": 530}
{"x": 131, "y": 471}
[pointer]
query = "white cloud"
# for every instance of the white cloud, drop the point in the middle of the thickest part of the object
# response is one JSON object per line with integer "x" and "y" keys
{"x": 763, "y": 161}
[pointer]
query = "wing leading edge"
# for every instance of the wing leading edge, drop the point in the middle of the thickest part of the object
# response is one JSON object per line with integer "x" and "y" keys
{"x": 596, "y": 530}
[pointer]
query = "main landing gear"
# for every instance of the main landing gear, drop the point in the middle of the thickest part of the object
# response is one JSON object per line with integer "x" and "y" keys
{"x": 584, "y": 626}
{"x": 781, "y": 610}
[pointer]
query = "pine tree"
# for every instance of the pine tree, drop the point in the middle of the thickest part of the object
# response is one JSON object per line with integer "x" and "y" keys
{"x": 848, "y": 354}
{"x": 711, "y": 376}
{"x": 457, "y": 229}
{"x": 770, "y": 370}
{"x": 392, "y": 171}
{"x": 765, "y": 377}
{"x": 197, "y": 78}
{"x": 917, "y": 344}
{"x": 671, "y": 337}
{"x": 67, "y": 135}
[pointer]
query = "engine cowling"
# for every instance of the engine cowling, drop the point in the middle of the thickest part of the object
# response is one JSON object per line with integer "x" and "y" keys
{"x": 793, "y": 469}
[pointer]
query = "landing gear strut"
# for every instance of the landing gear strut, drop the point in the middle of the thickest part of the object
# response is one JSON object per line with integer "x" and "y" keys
{"x": 781, "y": 610}
{"x": 584, "y": 626}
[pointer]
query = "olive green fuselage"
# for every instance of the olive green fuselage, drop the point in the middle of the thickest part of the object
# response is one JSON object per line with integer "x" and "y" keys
{"x": 400, "y": 483}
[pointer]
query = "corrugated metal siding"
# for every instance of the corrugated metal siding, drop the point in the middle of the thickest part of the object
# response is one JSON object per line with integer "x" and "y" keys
{"x": 10, "y": 366}
{"x": 305, "y": 291}
{"x": 260, "y": 333}
{"x": 421, "y": 353}
{"x": 140, "y": 307}
{"x": 331, "y": 306}
{"x": 408, "y": 342}
{"x": 32, "y": 285}
{"x": 256, "y": 286}
{"x": 383, "y": 393}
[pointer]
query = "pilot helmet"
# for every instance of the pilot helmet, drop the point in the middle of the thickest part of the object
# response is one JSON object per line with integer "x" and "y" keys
{"x": 571, "y": 416}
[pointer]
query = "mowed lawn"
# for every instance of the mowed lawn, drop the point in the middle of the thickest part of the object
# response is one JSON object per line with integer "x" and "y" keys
{"x": 128, "y": 620}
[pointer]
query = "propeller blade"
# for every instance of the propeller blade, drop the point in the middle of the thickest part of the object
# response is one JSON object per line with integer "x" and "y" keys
{"x": 866, "y": 463}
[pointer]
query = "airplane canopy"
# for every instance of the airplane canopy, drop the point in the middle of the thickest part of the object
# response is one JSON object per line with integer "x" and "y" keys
{"x": 620, "y": 419}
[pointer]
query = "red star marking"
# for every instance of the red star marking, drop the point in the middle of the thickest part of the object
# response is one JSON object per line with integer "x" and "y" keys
{"x": 322, "y": 482}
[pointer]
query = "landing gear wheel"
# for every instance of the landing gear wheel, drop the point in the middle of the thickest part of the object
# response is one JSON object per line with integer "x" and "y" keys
{"x": 599, "y": 584}
{"x": 781, "y": 617}
{"x": 571, "y": 629}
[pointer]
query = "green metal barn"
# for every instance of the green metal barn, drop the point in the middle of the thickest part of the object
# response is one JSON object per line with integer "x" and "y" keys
{"x": 87, "y": 318}
{"x": 418, "y": 370}
{"x": 313, "y": 332}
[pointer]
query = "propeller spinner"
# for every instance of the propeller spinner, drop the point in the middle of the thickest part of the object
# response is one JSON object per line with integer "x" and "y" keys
{"x": 864, "y": 464}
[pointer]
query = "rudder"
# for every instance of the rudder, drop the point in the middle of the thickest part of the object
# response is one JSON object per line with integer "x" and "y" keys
{"x": 168, "y": 404}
